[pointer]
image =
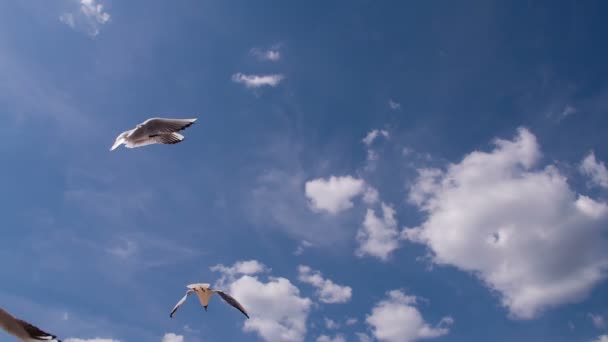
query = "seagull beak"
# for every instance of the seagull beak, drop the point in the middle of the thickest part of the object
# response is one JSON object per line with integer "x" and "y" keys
{"x": 116, "y": 144}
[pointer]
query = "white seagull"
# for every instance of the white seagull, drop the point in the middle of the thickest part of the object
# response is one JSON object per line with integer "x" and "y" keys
{"x": 153, "y": 131}
{"x": 23, "y": 330}
{"x": 204, "y": 292}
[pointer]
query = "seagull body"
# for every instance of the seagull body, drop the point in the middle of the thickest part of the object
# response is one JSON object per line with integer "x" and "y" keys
{"x": 204, "y": 293}
{"x": 23, "y": 330}
{"x": 153, "y": 131}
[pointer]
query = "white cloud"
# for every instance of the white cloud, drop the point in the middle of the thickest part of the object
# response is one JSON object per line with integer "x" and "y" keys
{"x": 495, "y": 215}
{"x": 301, "y": 247}
{"x": 327, "y": 290}
{"x": 90, "y": 17}
{"x": 278, "y": 312}
{"x": 335, "y": 194}
{"x": 247, "y": 267}
{"x": 601, "y": 338}
{"x": 331, "y": 324}
{"x": 363, "y": 337}
{"x": 373, "y": 134}
{"x": 257, "y": 81}
{"x": 325, "y": 338}
{"x": 378, "y": 237}
{"x": 394, "y": 105}
{"x": 351, "y": 321}
{"x": 597, "y": 320}
{"x": 97, "y": 339}
{"x": 171, "y": 337}
{"x": 272, "y": 54}
{"x": 596, "y": 170}
{"x": 396, "y": 319}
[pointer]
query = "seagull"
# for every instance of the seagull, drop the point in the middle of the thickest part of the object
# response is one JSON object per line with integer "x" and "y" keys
{"x": 204, "y": 292}
{"x": 153, "y": 131}
{"x": 23, "y": 330}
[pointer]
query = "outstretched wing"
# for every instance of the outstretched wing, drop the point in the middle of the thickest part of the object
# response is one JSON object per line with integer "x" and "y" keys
{"x": 181, "y": 301}
{"x": 35, "y": 332}
{"x": 157, "y": 126}
{"x": 230, "y": 300}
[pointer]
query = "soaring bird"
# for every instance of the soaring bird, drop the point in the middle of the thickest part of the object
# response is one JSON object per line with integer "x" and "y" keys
{"x": 153, "y": 131}
{"x": 23, "y": 330}
{"x": 204, "y": 292}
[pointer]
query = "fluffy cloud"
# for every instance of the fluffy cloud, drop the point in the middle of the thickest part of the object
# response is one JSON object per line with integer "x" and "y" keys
{"x": 396, "y": 319}
{"x": 602, "y": 338}
{"x": 97, "y": 339}
{"x": 497, "y": 216}
{"x": 257, "y": 81}
{"x": 171, "y": 337}
{"x": 325, "y": 338}
{"x": 327, "y": 290}
{"x": 351, "y": 321}
{"x": 595, "y": 170}
{"x": 90, "y": 17}
{"x": 378, "y": 237}
{"x": 373, "y": 134}
{"x": 278, "y": 312}
{"x": 363, "y": 337}
{"x": 336, "y": 194}
{"x": 272, "y": 54}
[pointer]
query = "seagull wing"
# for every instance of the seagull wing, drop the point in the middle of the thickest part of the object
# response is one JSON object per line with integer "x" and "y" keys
{"x": 181, "y": 301}
{"x": 230, "y": 300}
{"x": 35, "y": 332}
{"x": 158, "y": 126}
{"x": 164, "y": 138}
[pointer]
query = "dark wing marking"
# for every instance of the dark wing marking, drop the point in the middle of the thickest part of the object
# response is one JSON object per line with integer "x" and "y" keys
{"x": 181, "y": 301}
{"x": 230, "y": 300}
{"x": 35, "y": 332}
{"x": 157, "y": 126}
{"x": 171, "y": 138}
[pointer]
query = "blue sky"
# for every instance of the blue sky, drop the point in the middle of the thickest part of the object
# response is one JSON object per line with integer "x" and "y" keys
{"x": 360, "y": 170}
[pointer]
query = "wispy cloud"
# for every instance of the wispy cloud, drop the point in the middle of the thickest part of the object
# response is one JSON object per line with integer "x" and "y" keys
{"x": 89, "y": 18}
{"x": 597, "y": 320}
{"x": 273, "y": 54}
{"x": 394, "y": 105}
{"x": 257, "y": 81}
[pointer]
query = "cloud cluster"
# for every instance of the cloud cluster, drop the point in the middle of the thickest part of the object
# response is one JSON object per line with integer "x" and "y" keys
{"x": 327, "y": 290}
{"x": 396, "y": 319}
{"x": 497, "y": 215}
{"x": 278, "y": 312}
{"x": 90, "y": 17}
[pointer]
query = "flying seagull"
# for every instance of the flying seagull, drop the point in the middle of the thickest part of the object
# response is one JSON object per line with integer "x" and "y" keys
{"x": 153, "y": 131}
{"x": 23, "y": 330}
{"x": 204, "y": 292}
